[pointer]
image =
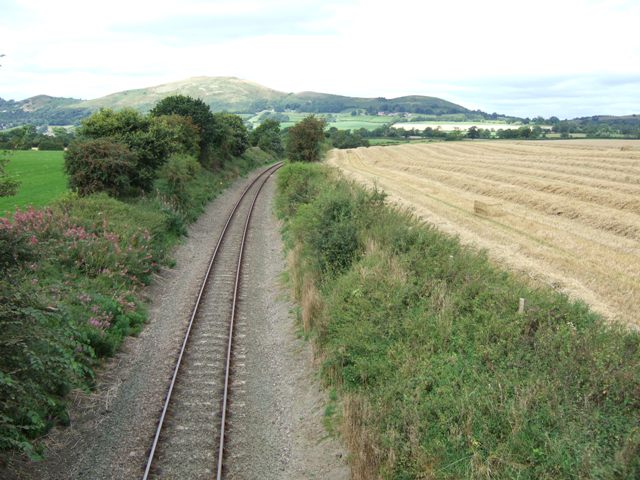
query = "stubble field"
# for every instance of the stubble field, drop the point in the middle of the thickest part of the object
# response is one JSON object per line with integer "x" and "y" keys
{"x": 565, "y": 213}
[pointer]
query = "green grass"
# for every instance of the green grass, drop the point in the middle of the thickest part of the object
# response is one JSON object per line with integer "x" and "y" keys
{"x": 439, "y": 375}
{"x": 42, "y": 179}
{"x": 343, "y": 121}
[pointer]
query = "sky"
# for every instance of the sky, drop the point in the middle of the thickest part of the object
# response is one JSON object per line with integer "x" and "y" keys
{"x": 566, "y": 58}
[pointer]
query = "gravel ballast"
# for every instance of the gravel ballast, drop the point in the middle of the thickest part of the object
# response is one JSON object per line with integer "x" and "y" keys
{"x": 276, "y": 422}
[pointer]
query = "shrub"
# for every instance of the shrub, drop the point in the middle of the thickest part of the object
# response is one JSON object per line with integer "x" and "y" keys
{"x": 327, "y": 227}
{"x": 99, "y": 165}
{"x": 298, "y": 184}
{"x": 148, "y": 139}
{"x": 8, "y": 185}
{"x": 175, "y": 176}
{"x": 37, "y": 365}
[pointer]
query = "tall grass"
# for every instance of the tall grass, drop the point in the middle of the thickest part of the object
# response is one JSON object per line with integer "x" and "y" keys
{"x": 439, "y": 375}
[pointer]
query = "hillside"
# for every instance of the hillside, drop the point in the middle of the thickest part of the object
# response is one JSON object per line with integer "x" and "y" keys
{"x": 41, "y": 110}
{"x": 220, "y": 93}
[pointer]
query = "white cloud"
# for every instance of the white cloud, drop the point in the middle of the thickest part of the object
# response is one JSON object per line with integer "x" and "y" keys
{"x": 456, "y": 50}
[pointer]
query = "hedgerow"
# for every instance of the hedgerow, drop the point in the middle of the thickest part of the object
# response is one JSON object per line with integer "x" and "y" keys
{"x": 438, "y": 374}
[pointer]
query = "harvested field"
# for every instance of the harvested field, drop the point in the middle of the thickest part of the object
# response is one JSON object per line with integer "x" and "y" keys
{"x": 563, "y": 213}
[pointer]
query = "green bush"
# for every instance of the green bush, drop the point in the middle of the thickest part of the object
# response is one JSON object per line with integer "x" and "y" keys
{"x": 149, "y": 139}
{"x": 8, "y": 186}
{"x": 99, "y": 165}
{"x": 298, "y": 184}
{"x": 328, "y": 229}
{"x": 174, "y": 178}
{"x": 37, "y": 365}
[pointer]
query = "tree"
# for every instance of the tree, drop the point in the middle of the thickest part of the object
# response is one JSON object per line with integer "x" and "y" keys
{"x": 305, "y": 138}
{"x": 473, "y": 132}
{"x": 231, "y": 136}
{"x": 267, "y": 136}
{"x": 346, "y": 139}
{"x": 184, "y": 135}
{"x": 200, "y": 114}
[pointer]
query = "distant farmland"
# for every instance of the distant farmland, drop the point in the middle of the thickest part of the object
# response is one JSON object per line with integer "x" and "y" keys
{"x": 342, "y": 121}
{"x": 462, "y": 126}
{"x": 564, "y": 213}
{"x": 42, "y": 179}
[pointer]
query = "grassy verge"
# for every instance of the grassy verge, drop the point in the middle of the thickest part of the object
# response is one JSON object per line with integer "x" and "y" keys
{"x": 437, "y": 373}
{"x": 41, "y": 176}
{"x": 70, "y": 289}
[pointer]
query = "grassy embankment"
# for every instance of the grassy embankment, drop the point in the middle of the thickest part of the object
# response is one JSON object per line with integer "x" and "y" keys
{"x": 41, "y": 176}
{"x": 438, "y": 375}
{"x": 70, "y": 289}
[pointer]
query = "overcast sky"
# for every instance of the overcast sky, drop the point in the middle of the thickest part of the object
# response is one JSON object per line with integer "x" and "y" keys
{"x": 548, "y": 57}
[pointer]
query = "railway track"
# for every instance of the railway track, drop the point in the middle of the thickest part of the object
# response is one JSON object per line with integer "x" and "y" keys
{"x": 189, "y": 441}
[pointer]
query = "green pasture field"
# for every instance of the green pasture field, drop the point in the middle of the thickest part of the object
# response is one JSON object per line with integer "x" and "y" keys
{"x": 343, "y": 121}
{"x": 41, "y": 176}
{"x": 369, "y": 122}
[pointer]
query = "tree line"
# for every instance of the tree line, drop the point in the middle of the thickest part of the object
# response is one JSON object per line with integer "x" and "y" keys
{"x": 121, "y": 152}
{"x": 27, "y": 137}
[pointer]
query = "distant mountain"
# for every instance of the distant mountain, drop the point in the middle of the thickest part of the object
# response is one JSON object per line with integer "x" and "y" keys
{"x": 220, "y": 93}
{"x": 41, "y": 110}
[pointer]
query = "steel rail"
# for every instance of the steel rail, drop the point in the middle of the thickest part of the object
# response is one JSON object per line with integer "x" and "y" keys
{"x": 227, "y": 368}
{"x": 194, "y": 312}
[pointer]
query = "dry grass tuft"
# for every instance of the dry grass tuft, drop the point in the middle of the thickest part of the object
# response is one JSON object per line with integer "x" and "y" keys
{"x": 294, "y": 261}
{"x": 360, "y": 439}
{"x": 311, "y": 303}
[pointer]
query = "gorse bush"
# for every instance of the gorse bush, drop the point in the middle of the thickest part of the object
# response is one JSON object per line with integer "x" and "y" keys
{"x": 439, "y": 376}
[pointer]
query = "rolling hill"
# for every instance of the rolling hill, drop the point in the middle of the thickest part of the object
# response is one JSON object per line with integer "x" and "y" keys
{"x": 220, "y": 93}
